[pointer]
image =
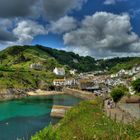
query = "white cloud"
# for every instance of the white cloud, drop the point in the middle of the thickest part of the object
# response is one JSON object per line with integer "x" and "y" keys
{"x": 111, "y": 2}
{"x": 134, "y": 12}
{"x": 104, "y": 34}
{"x": 108, "y": 2}
{"x": 26, "y": 30}
{"x": 63, "y": 25}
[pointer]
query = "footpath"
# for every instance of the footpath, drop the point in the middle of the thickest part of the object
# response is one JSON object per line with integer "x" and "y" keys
{"x": 117, "y": 114}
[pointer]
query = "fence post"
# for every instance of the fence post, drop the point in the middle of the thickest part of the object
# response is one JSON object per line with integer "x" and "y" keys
{"x": 115, "y": 117}
{"x": 122, "y": 118}
{"x": 109, "y": 113}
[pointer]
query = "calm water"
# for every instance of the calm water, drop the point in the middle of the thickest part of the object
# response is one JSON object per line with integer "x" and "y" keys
{"x": 22, "y": 118}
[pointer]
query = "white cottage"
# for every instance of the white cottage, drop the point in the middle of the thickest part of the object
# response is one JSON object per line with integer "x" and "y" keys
{"x": 73, "y": 72}
{"x": 59, "y": 82}
{"x": 59, "y": 71}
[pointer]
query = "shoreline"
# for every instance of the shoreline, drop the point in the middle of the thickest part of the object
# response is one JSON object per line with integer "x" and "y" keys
{"x": 40, "y": 92}
{"x": 13, "y": 94}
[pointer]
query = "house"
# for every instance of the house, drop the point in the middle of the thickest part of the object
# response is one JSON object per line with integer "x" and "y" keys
{"x": 131, "y": 91}
{"x": 59, "y": 82}
{"x": 135, "y": 77}
{"x": 36, "y": 66}
{"x": 121, "y": 72}
{"x": 59, "y": 71}
{"x": 85, "y": 84}
{"x": 72, "y": 72}
{"x": 70, "y": 82}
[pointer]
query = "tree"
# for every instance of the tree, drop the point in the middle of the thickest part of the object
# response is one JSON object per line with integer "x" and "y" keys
{"x": 2, "y": 57}
{"x": 118, "y": 92}
{"x": 136, "y": 85}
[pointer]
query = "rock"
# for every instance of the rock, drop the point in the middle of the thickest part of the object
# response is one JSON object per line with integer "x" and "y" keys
{"x": 36, "y": 66}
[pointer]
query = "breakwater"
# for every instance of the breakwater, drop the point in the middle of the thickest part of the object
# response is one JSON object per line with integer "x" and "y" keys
{"x": 79, "y": 93}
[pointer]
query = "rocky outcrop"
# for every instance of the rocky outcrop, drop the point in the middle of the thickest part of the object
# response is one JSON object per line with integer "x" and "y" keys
{"x": 7, "y": 94}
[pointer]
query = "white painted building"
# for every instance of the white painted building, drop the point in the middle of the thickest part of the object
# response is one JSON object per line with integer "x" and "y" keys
{"x": 70, "y": 82}
{"x": 73, "y": 72}
{"x": 59, "y": 71}
{"x": 59, "y": 82}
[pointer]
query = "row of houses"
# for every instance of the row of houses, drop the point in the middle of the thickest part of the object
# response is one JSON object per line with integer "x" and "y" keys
{"x": 64, "y": 82}
{"x": 123, "y": 72}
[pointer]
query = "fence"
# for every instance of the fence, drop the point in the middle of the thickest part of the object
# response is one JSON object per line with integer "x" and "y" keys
{"x": 119, "y": 116}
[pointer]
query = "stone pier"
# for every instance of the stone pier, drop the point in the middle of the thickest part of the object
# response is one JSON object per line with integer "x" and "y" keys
{"x": 79, "y": 93}
{"x": 59, "y": 111}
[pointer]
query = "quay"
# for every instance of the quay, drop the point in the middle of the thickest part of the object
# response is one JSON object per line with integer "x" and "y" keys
{"x": 59, "y": 111}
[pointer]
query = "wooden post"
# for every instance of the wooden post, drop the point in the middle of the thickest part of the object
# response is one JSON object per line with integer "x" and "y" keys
{"x": 115, "y": 117}
{"x": 109, "y": 113}
{"x": 122, "y": 118}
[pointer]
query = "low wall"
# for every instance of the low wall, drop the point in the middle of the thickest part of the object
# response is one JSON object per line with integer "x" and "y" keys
{"x": 79, "y": 93}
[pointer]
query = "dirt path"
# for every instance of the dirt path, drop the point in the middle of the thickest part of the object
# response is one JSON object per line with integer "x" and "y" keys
{"x": 118, "y": 115}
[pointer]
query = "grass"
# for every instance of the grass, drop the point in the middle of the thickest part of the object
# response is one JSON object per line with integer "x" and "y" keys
{"x": 15, "y": 69}
{"x": 87, "y": 121}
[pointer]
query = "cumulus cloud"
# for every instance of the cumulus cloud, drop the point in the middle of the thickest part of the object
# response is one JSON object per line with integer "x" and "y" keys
{"x": 63, "y": 25}
{"x": 104, "y": 34}
{"x": 55, "y": 9}
{"x": 14, "y": 14}
{"x": 26, "y": 30}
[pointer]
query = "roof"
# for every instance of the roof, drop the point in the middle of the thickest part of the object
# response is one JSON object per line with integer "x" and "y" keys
{"x": 58, "y": 80}
{"x": 85, "y": 81}
{"x": 60, "y": 69}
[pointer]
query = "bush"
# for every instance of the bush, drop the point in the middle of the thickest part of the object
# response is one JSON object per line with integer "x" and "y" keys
{"x": 136, "y": 85}
{"x": 118, "y": 92}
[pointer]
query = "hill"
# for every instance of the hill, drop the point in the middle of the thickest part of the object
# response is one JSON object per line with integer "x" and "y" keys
{"x": 16, "y": 61}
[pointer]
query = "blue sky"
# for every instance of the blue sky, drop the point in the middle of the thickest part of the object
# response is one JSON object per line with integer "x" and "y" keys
{"x": 99, "y": 28}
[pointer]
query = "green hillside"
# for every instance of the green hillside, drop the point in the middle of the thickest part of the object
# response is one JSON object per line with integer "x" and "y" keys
{"x": 15, "y": 63}
{"x": 15, "y": 71}
{"x": 87, "y": 121}
{"x": 115, "y": 64}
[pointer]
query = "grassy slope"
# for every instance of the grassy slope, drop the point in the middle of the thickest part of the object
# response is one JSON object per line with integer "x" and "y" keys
{"x": 15, "y": 69}
{"x": 116, "y": 64}
{"x": 86, "y": 121}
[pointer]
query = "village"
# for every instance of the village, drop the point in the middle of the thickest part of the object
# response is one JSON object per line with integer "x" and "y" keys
{"x": 97, "y": 82}
{"x": 89, "y": 85}
{"x": 100, "y": 84}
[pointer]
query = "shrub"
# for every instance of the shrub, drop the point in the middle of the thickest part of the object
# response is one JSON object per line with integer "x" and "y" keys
{"x": 136, "y": 85}
{"x": 118, "y": 92}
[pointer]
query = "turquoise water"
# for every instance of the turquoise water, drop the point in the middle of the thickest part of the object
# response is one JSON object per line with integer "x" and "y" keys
{"x": 22, "y": 118}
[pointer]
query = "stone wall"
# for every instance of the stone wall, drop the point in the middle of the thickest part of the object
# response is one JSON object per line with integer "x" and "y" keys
{"x": 79, "y": 93}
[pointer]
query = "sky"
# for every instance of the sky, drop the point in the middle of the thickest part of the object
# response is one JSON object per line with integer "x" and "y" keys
{"x": 98, "y": 28}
